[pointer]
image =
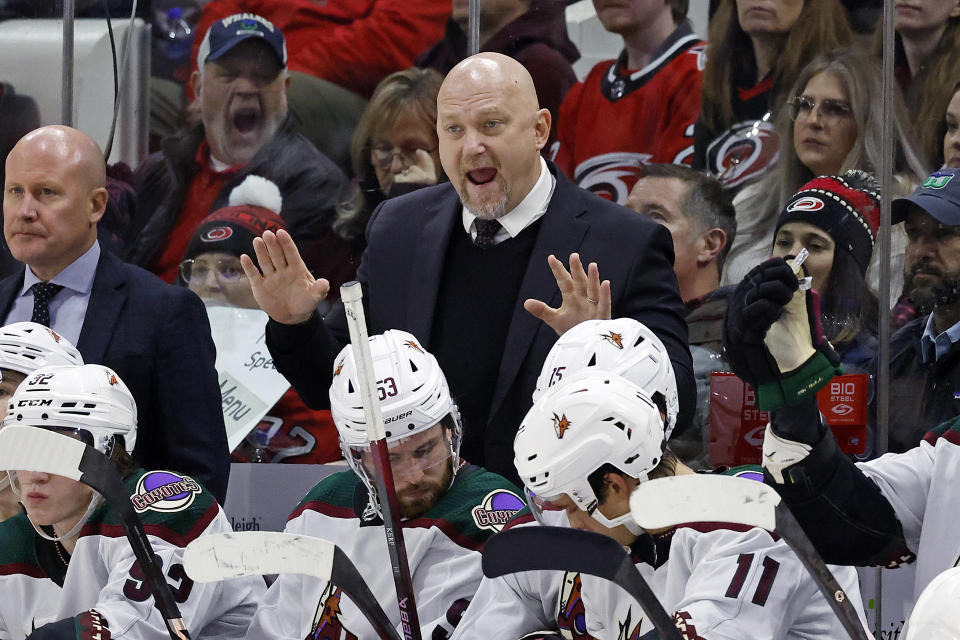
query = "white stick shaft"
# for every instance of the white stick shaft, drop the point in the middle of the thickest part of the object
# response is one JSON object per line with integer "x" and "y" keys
{"x": 351, "y": 295}
{"x": 231, "y": 555}
{"x": 35, "y": 449}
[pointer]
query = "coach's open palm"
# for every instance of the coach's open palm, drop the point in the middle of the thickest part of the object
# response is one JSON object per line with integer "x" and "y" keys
{"x": 283, "y": 286}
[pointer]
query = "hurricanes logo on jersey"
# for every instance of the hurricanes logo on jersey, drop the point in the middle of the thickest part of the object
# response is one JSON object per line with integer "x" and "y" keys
{"x": 560, "y": 425}
{"x": 743, "y": 152}
{"x": 571, "y": 616}
{"x": 326, "y": 621}
{"x": 413, "y": 345}
{"x": 613, "y": 338}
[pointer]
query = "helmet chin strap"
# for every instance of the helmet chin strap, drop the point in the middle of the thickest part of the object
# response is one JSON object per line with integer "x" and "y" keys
{"x": 95, "y": 501}
{"x": 625, "y": 520}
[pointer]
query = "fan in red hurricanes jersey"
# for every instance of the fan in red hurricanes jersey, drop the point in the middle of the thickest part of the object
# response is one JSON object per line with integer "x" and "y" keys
{"x": 636, "y": 110}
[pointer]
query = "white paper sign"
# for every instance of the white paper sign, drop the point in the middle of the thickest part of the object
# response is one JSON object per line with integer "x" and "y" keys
{"x": 249, "y": 383}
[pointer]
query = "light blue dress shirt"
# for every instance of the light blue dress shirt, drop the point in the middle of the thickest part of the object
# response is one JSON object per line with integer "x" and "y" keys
{"x": 933, "y": 346}
{"x": 69, "y": 306}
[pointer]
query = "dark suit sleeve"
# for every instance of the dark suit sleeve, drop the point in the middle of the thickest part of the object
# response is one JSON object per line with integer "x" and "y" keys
{"x": 304, "y": 353}
{"x": 653, "y": 298}
{"x": 190, "y": 427}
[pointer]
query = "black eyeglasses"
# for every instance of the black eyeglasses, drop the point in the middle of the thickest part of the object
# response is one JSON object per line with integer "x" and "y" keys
{"x": 227, "y": 271}
{"x": 828, "y": 110}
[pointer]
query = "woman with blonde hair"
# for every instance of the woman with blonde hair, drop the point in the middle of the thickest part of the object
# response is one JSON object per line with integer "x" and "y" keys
{"x": 926, "y": 44}
{"x": 757, "y": 49}
{"x": 830, "y": 124}
{"x": 394, "y": 149}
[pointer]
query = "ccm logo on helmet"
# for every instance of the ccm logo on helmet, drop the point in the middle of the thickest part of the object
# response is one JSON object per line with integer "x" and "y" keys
{"x": 806, "y": 204}
{"x": 35, "y": 402}
{"x": 399, "y": 416}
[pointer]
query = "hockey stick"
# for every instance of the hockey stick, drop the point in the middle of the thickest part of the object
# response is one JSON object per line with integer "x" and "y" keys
{"x": 352, "y": 296}
{"x": 545, "y": 548}
{"x": 37, "y": 449}
{"x": 668, "y": 502}
{"x": 230, "y": 555}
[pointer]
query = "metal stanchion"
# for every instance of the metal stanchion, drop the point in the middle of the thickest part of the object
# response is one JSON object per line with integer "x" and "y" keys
{"x": 473, "y": 28}
{"x": 66, "y": 94}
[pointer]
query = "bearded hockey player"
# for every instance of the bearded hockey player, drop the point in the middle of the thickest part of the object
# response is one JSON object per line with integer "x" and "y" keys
{"x": 449, "y": 508}
{"x": 24, "y": 348}
{"x": 67, "y": 569}
{"x": 582, "y": 449}
{"x": 899, "y": 508}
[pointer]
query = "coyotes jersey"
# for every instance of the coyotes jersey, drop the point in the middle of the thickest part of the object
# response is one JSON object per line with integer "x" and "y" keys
{"x": 443, "y": 550}
{"x": 921, "y": 486}
{"x": 103, "y": 575}
{"x": 716, "y": 580}
{"x": 616, "y": 120}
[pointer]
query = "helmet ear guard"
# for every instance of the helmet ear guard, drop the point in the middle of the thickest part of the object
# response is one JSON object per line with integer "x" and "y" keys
{"x": 622, "y": 346}
{"x": 590, "y": 420}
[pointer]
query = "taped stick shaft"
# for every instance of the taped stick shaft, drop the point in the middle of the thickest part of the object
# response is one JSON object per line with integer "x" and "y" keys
{"x": 352, "y": 296}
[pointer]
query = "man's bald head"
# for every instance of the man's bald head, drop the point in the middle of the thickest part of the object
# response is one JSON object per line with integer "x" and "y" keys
{"x": 66, "y": 146}
{"x": 492, "y": 71}
{"x": 491, "y": 131}
{"x": 54, "y": 195}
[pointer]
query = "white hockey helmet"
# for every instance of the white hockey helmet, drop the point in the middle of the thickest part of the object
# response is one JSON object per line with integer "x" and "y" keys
{"x": 88, "y": 400}
{"x": 592, "y": 418}
{"x": 28, "y": 346}
{"x": 412, "y": 389}
{"x": 936, "y": 616}
{"x": 622, "y": 346}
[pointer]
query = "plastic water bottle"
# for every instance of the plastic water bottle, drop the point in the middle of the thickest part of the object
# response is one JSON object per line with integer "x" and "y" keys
{"x": 179, "y": 37}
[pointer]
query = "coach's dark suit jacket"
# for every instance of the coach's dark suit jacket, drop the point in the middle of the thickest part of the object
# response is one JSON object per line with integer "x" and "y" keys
{"x": 401, "y": 270}
{"x": 157, "y": 338}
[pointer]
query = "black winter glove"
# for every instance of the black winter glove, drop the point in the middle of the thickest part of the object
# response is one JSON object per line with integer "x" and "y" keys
{"x": 773, "y": 339}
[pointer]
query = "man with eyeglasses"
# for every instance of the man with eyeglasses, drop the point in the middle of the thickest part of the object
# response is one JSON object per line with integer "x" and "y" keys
{"x": 156, "y": 336}
{"x": 241, "y": 86}
{"x": 925, "y": 353}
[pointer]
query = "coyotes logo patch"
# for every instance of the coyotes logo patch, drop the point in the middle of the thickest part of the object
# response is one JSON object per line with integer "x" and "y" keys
{"x": 326, "y": 621}
{"x": 413, "y": 345}
{"x": 613, "y": 338}
{"x": 339, "y": 368}
{"x": 560, "y": 425}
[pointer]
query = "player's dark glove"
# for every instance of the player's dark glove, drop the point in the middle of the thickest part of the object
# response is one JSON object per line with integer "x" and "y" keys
{"x": 773, "y": 339}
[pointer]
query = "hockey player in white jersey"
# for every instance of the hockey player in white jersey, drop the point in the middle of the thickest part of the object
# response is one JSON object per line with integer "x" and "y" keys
{"x": 448, "y": 508}
{"x": 66, "y": 568}
{"x": 24, "y": 348}
{"x": 581, "y": 450}
{"x": 899, "y": 508}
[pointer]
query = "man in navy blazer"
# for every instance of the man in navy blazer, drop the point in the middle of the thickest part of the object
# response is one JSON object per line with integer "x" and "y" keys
{"x": 475, "y": 292}
{"x": 154, "y": 335}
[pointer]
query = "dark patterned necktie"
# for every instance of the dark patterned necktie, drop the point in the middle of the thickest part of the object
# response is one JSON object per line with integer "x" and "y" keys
{"x": 486, "y": 232}
{"x": 42, "y": 293}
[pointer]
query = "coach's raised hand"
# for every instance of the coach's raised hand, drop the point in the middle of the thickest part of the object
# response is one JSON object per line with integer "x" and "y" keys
{"x": 584, "y": 296}
{"x": 283, "y": 286}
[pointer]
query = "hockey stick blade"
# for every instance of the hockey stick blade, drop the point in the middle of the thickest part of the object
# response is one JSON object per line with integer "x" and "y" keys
{"x": 222, "y": 556}
{"x": 351, "y": 294}
{"x": 36, "y": 449}
{"x": 544, "y": 548}
{"x": 668, "y": 502}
